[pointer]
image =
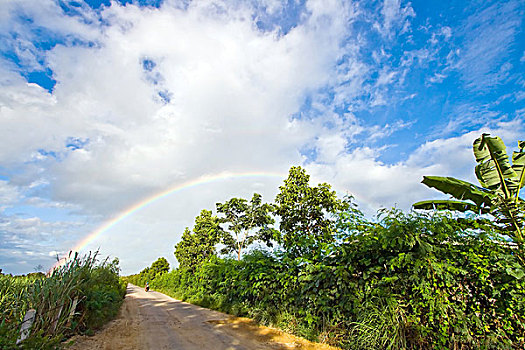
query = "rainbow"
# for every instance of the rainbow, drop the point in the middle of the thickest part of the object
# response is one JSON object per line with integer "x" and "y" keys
{"x": 144, "y": 203}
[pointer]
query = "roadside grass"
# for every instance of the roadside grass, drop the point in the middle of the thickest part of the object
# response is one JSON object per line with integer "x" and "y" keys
{"x": 78, "y": 297}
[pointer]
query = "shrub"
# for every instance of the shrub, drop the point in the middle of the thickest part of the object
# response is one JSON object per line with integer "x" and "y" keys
{"x": 412, "y": 281}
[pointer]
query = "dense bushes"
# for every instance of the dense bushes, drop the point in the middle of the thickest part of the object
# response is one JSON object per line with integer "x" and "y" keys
{"x": 407, "y": 281}
{"x": 95, "y": 287}
{"x": 104, "y": 295}
{"x": 148, "y": 274}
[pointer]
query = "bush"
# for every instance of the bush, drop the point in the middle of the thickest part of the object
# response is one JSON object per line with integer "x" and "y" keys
{"x": 157, "y": 268}
{"x": 407, "y": 281}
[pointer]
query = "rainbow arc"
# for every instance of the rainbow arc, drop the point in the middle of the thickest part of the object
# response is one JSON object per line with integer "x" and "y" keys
{"x": 144, "y": 203}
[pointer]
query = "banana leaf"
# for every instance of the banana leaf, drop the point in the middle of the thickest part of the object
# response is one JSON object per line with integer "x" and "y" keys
{"x": 501, "y": 183}
{"x": 450, "y": 205}
{"x": 518, "y": 164}
{"x": 460, "y": 189}
{"x": 494, "y": 166}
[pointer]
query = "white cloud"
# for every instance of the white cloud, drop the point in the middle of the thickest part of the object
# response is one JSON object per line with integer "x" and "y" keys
{"x": 373, "y": 183}
{"x": 9, "y": 195}
{"x": 437, "y": 78}
{"x": 330, "y": 147}
{"x": 24, "y": 22}
{"x": 376, "y": 184}
{"x": 467, "y": 116}
{"x": 232, "y": 91}
{"x": 26, "y": 241}
{"x": 396, "y": 17}
{"x": 442, "y": 34}
{"x": 385, "y": 77}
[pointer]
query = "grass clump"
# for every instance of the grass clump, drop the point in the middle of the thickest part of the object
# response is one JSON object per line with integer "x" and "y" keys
{"x": 78, "y": 297}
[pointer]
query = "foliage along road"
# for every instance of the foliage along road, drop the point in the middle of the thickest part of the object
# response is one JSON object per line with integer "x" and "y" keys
{"x": 152, "y": 320}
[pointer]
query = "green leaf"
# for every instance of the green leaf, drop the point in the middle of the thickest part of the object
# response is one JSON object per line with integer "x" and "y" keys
{"x": 516, "y": 272}
{"x": 493, "y": 164}
{"x": 247, "y": 222}
{"x": 459, "y": 189}
{"x": 518, "y": 164}
{"x": 449, "y": 205}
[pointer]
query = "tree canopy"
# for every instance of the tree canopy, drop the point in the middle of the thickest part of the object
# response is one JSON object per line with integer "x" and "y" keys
{"x": 157, "y": 268}
{"x": 199, "y": 245}
{"x": 246, "y": 222}
{"x": 306, "y": 212}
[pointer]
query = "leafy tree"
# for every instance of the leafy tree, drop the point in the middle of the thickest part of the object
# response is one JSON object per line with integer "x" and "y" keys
{"x": 145, "y": 273}
{"x": 160, "y": 266}
{"x": 501, "y": 182}
{"x": 199, "y": 245}
{"x": 185, "y": 249}
{"x": 246, "y": 222}
{"x": 306, "y": 212}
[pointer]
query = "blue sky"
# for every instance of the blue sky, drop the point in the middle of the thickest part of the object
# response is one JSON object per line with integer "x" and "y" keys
{"x": 104, "y": 104}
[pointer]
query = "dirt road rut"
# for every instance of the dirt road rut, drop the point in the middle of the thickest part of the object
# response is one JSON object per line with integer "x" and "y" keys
{"x": 152, "y": 320}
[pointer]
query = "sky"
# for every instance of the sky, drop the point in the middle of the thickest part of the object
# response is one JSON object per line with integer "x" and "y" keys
{"x": 104, "y": 105}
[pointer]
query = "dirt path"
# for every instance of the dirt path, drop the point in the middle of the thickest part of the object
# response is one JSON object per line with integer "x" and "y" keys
{"x": 155, "y": 321}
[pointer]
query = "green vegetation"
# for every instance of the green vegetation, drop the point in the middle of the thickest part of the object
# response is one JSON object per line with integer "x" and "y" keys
{"x": 247, "y": 223}
{"x": 418, "y": 280}
{"x": 501, "y": 182}
{"x": 413, "y": 281}
{"x": 157, "y": 269}
{"x": 306, "y": 213}
{"x": 78, "y": 297}
{"x": 199, "y": 245}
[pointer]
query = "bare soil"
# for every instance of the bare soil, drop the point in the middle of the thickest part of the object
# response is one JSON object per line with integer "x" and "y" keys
{"x": 152, "y": 320}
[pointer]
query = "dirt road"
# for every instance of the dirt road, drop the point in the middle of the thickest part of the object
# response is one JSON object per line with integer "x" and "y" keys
{"x": 155, "y": 321}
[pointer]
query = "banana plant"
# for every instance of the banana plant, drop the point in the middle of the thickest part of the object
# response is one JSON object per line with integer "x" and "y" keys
{"x": 499, "y": 193}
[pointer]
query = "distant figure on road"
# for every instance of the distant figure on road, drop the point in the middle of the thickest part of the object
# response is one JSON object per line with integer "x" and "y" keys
{"x": 147, "y": 286}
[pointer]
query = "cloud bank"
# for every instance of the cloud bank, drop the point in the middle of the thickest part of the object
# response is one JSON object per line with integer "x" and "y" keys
{"x": 103, "y": 107}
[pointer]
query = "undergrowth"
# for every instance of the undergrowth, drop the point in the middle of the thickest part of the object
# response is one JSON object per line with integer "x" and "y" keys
{"x": 406, "y": 281}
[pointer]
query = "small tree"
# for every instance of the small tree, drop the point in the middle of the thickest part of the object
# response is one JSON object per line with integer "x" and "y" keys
{"x": 307, "y": 213}
{"x": 199, "y": 245}
{"x": 500, "y": 183}
{"x": 160, "y": 266}
{"x": 246, "y": 223}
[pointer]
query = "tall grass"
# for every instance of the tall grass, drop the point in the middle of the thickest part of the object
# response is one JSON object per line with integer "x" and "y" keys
{"x": 63, "y": 301}
{"x": 380, "y": 324}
